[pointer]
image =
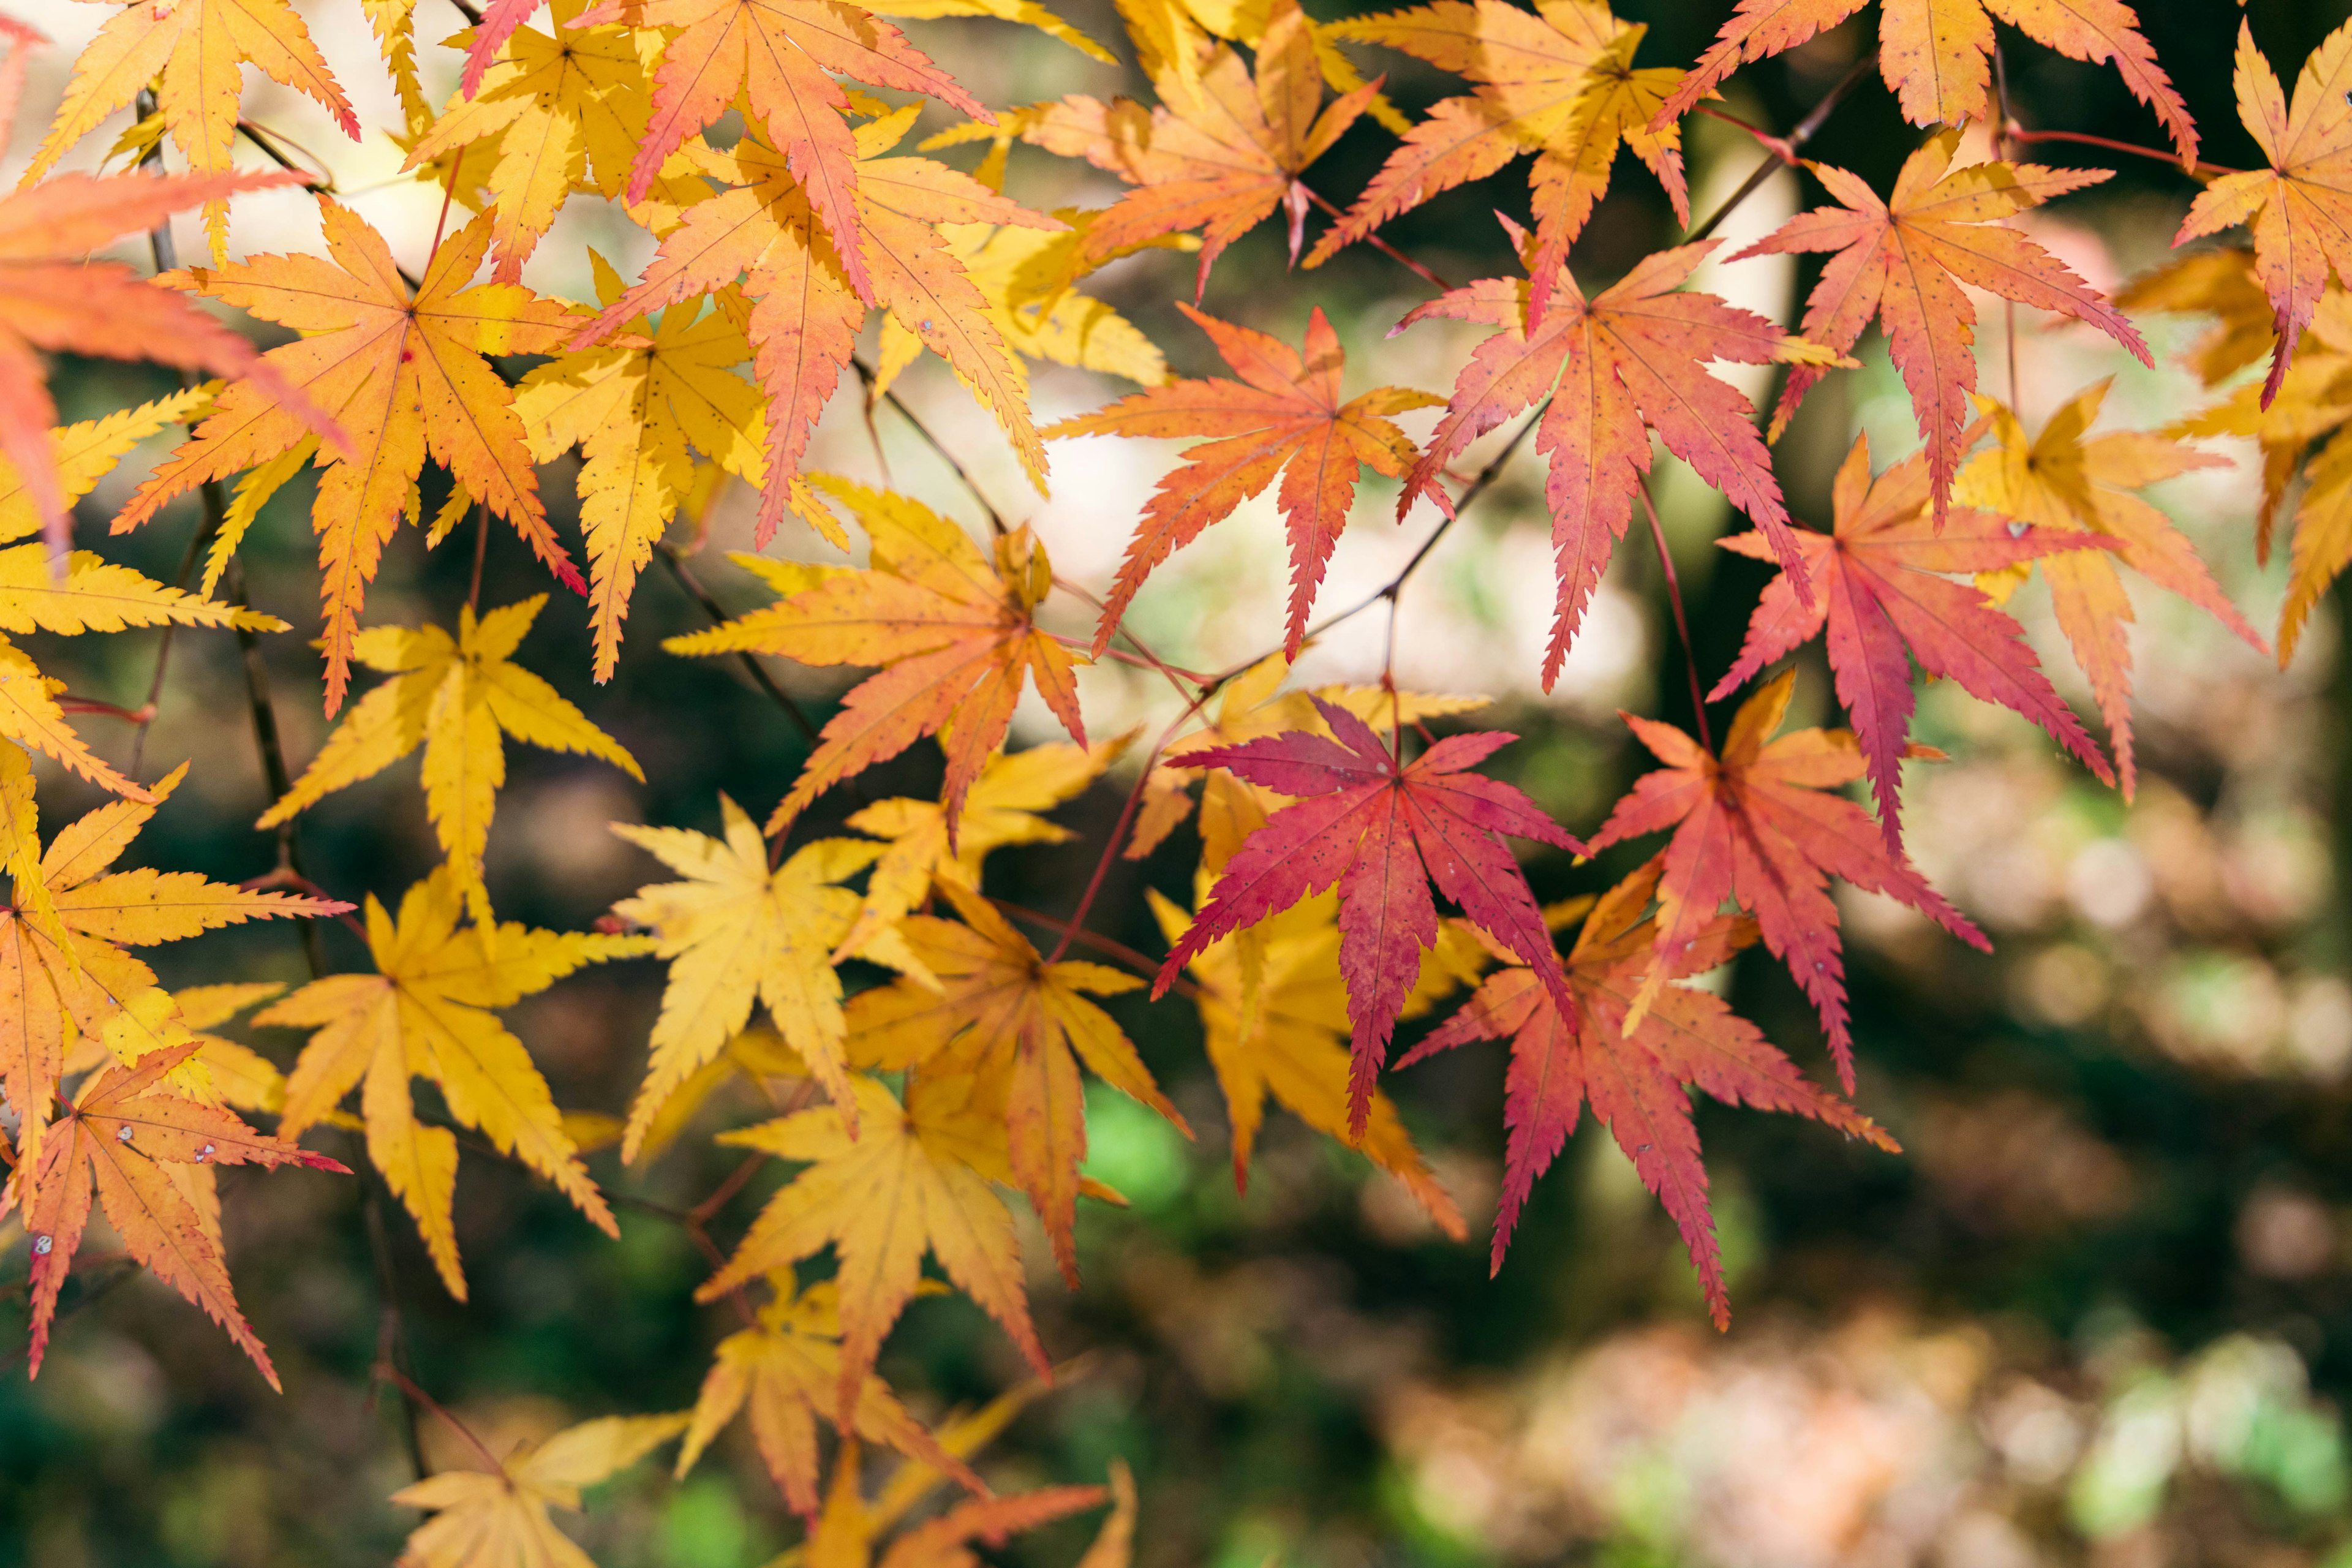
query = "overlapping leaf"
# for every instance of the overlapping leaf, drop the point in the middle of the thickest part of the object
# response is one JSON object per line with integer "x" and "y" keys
{"x": 1282, "y": 417}
{"x": 1882, "y": 591}
{"x": 1937, "y": 54}
{"x": 1382, "y": 831}
{"x": 1559, "y": 84}
{"x": 126, "y": 1133}
{"x": 498, "y": 1519}
{"x": 1633, "y": 1078}
{"x": 427, "y": 1012}
{"x": 955, "y": 632}
{"x": 845, "y": 1533}
{"x": 455, "y": 697}
{"x": 404, "y": 370}
{"x": 1905, "y": 262}
{"x": 1757, "y": 826}
{"x": 1628, "y": 362}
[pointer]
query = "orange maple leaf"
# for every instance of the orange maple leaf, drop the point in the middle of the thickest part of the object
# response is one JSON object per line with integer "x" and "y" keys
{"x": 52, "y": 298}
{"x": 2299, "y": 207}
{"x": 405, "y": 371}
{"x": 1223, "y": 150}
{"x": 776, "y": 53}
{"x": 127, "y": 1132}
{"x": 1284, "y": 416}
{"x": 1936, "y": 55}
{"x": 805, "y": 315}
{"x": 956, "y": 633}
{"x": 1631, "y": 359}
{"x": 1560, "y": 85}
{"x": 1905, "y": 262}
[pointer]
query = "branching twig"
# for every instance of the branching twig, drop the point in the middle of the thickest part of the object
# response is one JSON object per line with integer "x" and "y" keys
{"x": 1790, "y": 145}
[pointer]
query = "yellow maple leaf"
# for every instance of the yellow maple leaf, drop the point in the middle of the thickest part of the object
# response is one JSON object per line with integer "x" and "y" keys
{"x": 1026, "y": 13}
{"x": 737, "y": 932}
{"x": 956, "y": 631}
{"x": 844, "y": 1535}
{"x": 786, "y": 1367}
{"x": 404, "y": 373}
{"x": 453, "y": 697}
{"x": 427, "y": 1013}
{"x": 1290, "y": 1041}
{"x": 1001, "y": 810}
{"x": 64, "y": 970}
{"x": 916, "y": 1179}
{"x": 1001, "y": 1011}
{"x": 190, "y": 51}
{"x": 2221, "y": 283}
{"x": 638, "y": 409}
{"x": 498, "y": 1519}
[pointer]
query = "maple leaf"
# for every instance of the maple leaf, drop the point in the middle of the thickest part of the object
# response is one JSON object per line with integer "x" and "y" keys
{"x": 63, "y": 935}
{"x": 453, "y": 697}
{"x": 1559, "y": 84}
{"x": 242, "y": 1076}
{"x": 427, "y": 1012}
{"x": 1027, "y": 13}
{"x": 998, "y": 1011}
{"x": 2298, "y": 207}
{"x": 1905, "y": 260}
{"x": 1936, "y": 55}
{"x": 1285, "y": 1041}
{"x": 2066, "y": 477}
{"x": 843, "y": 1535}
{"x": 498, "y": 1519}
{"x": 125, "y": 1133}
{"x": 1382, "y": 831}
{"x": 1026, "y": 278}
{"x": 805, "y": 313}
{"x": 2221, "y": 283}
{"x": 637, "y": 409}
{"x": 1634, "y": 1078}
{"x": 736, "y": 932}
{"x": 1880, "y": 592}
{"x": 405, "y": 371}
{"x": 1757, "y": 826}
{"x": 916, "y": 1178}
{"x": 51, "y": 297}
{"x": 1283, "y": 417}
{"x": 777, "y": 53}
{"x": 190, "y": 52}
{"x": 1225, "y": 148}
{"x": 786, "y": 1368}
{"x": 956, "y": 634}
{"x": 1001, "y": 809}
{"x": 564, "y": 112}
{"x": 1628, "y": 362}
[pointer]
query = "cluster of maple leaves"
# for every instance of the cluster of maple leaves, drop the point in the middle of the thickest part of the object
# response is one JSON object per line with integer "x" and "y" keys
{"x": 1331, "y": 822}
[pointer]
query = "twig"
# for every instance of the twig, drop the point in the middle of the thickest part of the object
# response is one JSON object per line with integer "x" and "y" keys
{"x": 1110, "y": 847}
{"x": 2016, "y": 133}
{"x": 466, "y": 9}
{"x": 1682, "y": 623}
{"x": 718, "y": 616}
{"x": 274, "y": 772}
{"x": 1176, "y": 676}
{"x": 99, "y": 707}
{"x": 1382, "y": 246}
{"x": 408, "y": 1389}
{"x": 1776, "y": 146}
{"x": 481, "y": 548}
{"x": 995, "y": 518}
{"x": 1146, "y": 967}
{"x": 314, "y": 169}
{"x": 391, "y": 1326}
{"x": 1807, "y": 129}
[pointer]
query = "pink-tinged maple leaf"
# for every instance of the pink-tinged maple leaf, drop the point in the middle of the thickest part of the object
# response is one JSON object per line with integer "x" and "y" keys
{"x": 1629, "y": 361}
{"x": 1757, "y": 826}
{"x": 1905, "y": 262}
{"x": 1284, "y": 416}
{"x": 1563, "y": 1059}
{"x": 1878, "y": 593}
{"x": 1383, "y": 833}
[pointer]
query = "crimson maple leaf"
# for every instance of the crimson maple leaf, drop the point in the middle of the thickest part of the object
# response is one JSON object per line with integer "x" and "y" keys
{"x": 1629, "y": 361}
{"x": 1283, "y": 417}
{"x": 1384, "y": 831}
{"x": 1757, "y": 826}
{"x": 1564, "y": 1058}
{"x": 1878, "y": 593}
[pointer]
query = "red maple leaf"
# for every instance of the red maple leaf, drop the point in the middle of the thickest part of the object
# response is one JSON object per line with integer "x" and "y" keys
{"x": 1877, "y": 591}
{"x": 1755, "y": 825}
{"x": 1384, "y": 831}
{"x": 1564, "y": 1058}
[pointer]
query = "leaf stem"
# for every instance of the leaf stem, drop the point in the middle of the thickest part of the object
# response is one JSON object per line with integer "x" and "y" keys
{"x": 1382, "y": 246}
{"x": 1681, "y": 622}
{"x": 1807, "y": 129}
{"x": 718, "y": 616}
{"x": 2016, "y": 133}
{"x": 1146, "y": 967}
{"x": 995, "y": 518}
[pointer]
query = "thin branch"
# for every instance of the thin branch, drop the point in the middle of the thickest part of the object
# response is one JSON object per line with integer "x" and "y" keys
{"x": 1681, "y": 622}
{"x": 313, "y": 169}
{"x": 2016, "y": 133}
{"x": 1382, "y": 246}
{"x": 718, "y": 616}
{"x": 995, "y": 518}
{"x": 391, "y": 1325}
{"x": 1807, "y": 129}
{"x": 1146, "y": 967}
{"x": 407, "y": 1387}
{"x": 481, "y": 548}
{"x": 1110, "y": 848}
{"x": 1176, "y": 676}
{"x": 466, "y": 9}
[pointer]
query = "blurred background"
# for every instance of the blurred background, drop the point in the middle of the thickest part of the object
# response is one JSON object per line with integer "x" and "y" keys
{"x": 2100, "y": 1311}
